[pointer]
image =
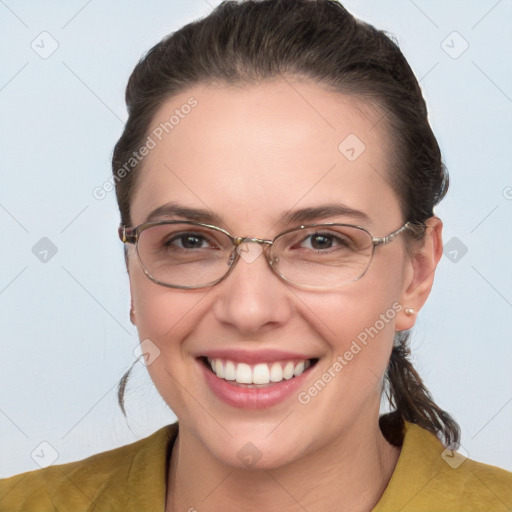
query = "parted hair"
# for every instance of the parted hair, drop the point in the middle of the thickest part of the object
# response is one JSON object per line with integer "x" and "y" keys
{"x": 250, "y": 41}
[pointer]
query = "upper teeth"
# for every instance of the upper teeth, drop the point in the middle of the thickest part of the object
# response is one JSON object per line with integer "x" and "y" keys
{"x": 261, "y": 373}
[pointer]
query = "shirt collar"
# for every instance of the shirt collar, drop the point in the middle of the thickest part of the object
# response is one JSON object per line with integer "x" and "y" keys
{"x": 147, "y": 474}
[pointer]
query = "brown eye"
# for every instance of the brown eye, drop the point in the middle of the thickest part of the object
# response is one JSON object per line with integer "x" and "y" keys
{"x": 321, "y": 241}
{"x": 324, "y": 241}
{"x": 188, "y": 241}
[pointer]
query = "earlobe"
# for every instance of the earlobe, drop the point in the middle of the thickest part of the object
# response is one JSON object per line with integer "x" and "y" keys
{"x": 419, "y": 278}
{"x": 133, "y": 319}
{"x": 132, "y": 314}
{"x": 132, "y": 307}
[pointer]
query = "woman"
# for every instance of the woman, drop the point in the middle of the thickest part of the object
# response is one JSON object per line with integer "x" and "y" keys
{"x": 276, "y": 181}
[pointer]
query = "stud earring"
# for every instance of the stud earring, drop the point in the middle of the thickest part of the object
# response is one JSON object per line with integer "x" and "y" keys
{"x": 409, "y": 311}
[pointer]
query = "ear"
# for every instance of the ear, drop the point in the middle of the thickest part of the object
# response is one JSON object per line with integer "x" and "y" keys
{"x": 419, "y": 276}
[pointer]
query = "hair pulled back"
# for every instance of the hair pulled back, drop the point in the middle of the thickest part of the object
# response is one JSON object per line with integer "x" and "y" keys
{"x": 250, "y": 41}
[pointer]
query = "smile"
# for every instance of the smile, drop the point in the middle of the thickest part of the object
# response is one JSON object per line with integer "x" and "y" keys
{"x": 261, "y": 373}
{"x": 253, "y": 381}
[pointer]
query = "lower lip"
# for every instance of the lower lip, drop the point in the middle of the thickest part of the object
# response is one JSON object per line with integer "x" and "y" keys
{"x": 252, "y": 398}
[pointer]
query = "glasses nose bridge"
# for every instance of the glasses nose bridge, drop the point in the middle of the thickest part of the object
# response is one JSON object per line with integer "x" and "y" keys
{"x": 239, "y": 240}
{"x": 237, "y": 252}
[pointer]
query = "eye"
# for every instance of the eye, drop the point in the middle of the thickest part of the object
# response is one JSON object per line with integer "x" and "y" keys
{"x": 319, "y": 241}
{"x": 189, "y": 241}
{"x": 324, "y": 241}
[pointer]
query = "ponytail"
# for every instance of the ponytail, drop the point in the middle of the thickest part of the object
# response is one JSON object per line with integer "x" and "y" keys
{"x": 412, "y": 401}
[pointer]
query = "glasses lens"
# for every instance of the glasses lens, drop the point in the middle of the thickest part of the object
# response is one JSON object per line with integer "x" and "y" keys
{"x": 323, "y": 256}
{"x": 183, "y": 254}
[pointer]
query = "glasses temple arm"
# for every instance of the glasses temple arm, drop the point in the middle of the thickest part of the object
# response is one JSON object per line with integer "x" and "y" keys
{"x": 389, "y": 238}
{"x": 126, "y": 235}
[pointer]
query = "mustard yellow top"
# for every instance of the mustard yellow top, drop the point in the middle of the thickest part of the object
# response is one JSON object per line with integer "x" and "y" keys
{"x": 133, "y": 479}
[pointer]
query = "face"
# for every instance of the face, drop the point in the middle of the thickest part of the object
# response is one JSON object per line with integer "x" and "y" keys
{"x": 250, "y": 157}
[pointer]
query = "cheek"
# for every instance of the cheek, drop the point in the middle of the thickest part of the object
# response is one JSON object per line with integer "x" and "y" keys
{"x": 358, "y": 330}
{"x": 358, "y": 324}
{"x": 369, "y": 303}
{"x": 160, "y": 312}
{"x": 164, "y": 317}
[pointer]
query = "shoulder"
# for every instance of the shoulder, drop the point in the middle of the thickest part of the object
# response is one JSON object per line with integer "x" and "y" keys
{"x": 137, "y": 468}
{"x": 478, "y": 479}
{"x": 472, "y": 485}
{"x": 430, "y": 477}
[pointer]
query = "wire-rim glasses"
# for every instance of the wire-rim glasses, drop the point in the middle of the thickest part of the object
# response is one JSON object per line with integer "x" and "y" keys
{"x": 191, "y": 255}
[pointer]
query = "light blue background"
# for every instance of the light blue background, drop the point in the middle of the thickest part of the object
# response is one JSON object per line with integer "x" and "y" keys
{"x": 66, "y": 335}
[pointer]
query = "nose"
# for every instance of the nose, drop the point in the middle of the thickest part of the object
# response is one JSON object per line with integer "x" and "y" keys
{"x": 252, "y": 298}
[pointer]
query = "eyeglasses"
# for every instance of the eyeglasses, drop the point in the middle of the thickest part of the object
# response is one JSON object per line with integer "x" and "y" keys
{"x": 189, "y": 255}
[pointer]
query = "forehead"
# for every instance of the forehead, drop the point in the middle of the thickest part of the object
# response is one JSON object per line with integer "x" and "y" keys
{"x": 257, "y": 150}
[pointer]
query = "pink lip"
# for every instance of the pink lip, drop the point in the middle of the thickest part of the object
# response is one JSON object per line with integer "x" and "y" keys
{"x": 254, "y": 356}
{"x": 251, "y": 398}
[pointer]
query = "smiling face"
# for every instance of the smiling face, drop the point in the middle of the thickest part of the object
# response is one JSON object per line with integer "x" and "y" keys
{"x": 256, "y": 161}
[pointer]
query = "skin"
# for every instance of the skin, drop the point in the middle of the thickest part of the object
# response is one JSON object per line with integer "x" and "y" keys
{"x": 249, "y": 154}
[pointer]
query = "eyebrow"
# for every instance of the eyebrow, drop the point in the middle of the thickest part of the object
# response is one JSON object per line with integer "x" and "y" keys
{"x": 323, "y": 212}
{"x": 172, "y": 210}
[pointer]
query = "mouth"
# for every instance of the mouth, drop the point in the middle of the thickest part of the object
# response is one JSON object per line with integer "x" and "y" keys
{"x": 255, "y": 385}
{"x": 257, "y": 375}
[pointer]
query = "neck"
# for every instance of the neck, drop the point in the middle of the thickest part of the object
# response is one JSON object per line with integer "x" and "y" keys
{"x": 349, "y": 474}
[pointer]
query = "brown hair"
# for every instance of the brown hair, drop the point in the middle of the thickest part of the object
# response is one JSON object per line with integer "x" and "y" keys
{"x": 250, "y": 41}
